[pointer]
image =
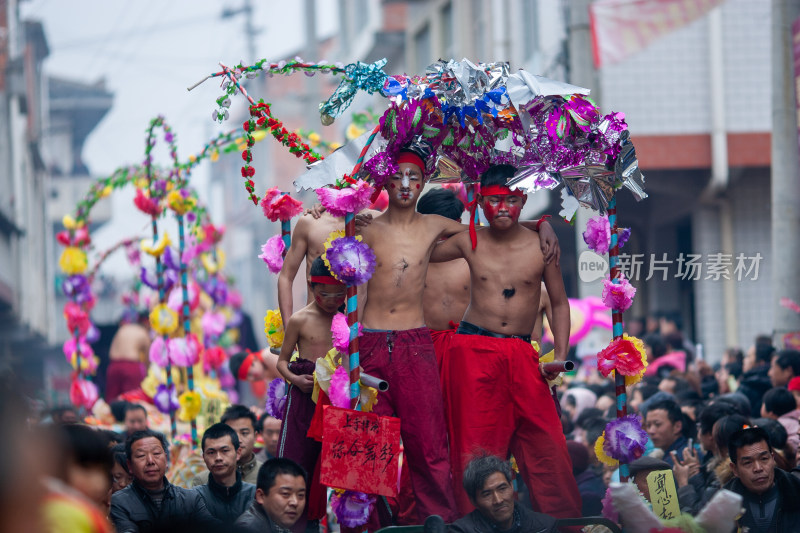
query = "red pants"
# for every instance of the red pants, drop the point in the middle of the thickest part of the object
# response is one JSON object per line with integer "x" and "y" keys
{"x": 406, "y": 360}
{"x": 498, "y": 402}
{"x": 123, "y": 376}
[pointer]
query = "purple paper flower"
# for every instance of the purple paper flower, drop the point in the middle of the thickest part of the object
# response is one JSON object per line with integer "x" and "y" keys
{"x": 171, "y": 259}
{"x": 598, "y": 234}
{"x": 351, "y": 261}
{"x": 272, "y": 253}
{"x": 77, "y": 287}
{"x": 625, "y": 440}
{"x": 623, "y": 234}
{"x": 165, "y": 399}
{"x": 352, "y": 509}
{"x": 217, "y": 288}
{"x": 609, "y": 511}
{"x": 276, "y": 398}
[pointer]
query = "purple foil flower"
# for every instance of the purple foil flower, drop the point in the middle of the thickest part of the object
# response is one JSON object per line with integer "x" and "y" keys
{"x": 352, "y": 509}
{"x": 276, "y": 398}
{"x": 166, "y": 399}
{"x": 625, "y": 439}
{"x": 351, "y": 261}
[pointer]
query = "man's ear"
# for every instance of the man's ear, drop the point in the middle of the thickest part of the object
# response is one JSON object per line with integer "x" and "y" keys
{"x": 734, "y": 468}
{"x": 238, "y": 454}
{"x": 260, "y": 496}
{"x": 678, "y": 426}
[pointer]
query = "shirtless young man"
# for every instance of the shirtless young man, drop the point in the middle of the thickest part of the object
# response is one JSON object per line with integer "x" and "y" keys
{"x": 497, "y": 398}
{"x": 309, "y": 330}
{"x": 128, "y": 357}
{"x": 396, "y": 345}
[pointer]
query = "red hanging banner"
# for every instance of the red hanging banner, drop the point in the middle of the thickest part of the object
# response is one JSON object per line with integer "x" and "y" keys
{"x": 360, "y": 451}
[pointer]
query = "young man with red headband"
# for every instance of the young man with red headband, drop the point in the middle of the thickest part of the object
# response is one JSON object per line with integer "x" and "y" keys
{"x": 396, "y": 345}
{"x": 497, "y": 398}
{"x": 309, "y": 330}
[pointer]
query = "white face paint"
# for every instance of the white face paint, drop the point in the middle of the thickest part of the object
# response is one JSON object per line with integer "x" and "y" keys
{"x": 406, "y": 183}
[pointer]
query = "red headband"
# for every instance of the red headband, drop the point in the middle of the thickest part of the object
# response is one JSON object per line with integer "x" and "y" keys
{"x": 326, "y": 280}
{"x": 489, "y": 190}
{"x": 411, "y": 157}
{"x": 247, "y": 363}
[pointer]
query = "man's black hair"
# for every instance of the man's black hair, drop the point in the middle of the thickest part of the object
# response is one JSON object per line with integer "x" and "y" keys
{"x": 275, "y": 467}
{"x": 235, "y": 362}
{"x": 319, "y": 268}
{"x": 497, "y": 175}
{"x": 738, "y": 399}
{"x": 112, "y": 438}
{"x": 674, "y": 317}
{"x": 118, "y": 453}
{"x": 235, "y": 412}
{"x": 593, "y": 428}
{"x": 779, "y": 401}
{"x": 673, "y": 341}
{"x": 765, "y": 340}
{"x": 58, "y": 412}
{"x": 671, "y": 407}
{"x": 261, "y": 419}
{"x": 778, "y": 435}
{"x": 135, "y": 407}
{"x": 87, "y": 447}
{"x": 646, "y": 389}
{"x": 118, "y": 408}
{"x": 735, "y": 355}
{"x": 478, "y": 470}
{"x": 787, "y": 359}
{"x": 712, "y": 413}
{"x": 727, "y": 426}
{"x": 656, "y": 344}
{"x": 588, "y": 414}
{"x": 764, "y": 353}
{"x": 746, "y": 437}
{"x": 144, "y": 434}
{"x": 217, "y": 431}
{"x": 442, "y": 202}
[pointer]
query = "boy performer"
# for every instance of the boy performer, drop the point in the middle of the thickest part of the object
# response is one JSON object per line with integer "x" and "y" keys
{"x": 309, "y": 329}
{"x": 497, "y": 398}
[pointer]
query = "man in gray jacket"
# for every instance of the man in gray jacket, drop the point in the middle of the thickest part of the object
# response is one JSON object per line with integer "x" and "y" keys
{"x": 150, "y": 499}
{"x": 280, "y": 498}
{"x": 225, "y": 494}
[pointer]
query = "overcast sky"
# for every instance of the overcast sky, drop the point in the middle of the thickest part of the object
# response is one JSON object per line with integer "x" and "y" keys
{"x": 150, "y": 51}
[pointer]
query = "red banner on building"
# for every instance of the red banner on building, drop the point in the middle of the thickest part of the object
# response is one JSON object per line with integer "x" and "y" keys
{"x": 620, "y": 28}
{"x": 360, "y": 451}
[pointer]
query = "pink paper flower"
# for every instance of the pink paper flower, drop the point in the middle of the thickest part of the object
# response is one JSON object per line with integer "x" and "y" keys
{"x": 175, "y": 298}
{"x": 598, "y": 234}
{"x": 341, "y": 332}
{"x": 272, "y": 253}
{"x": 278, "y": 206}
{"x": 353, "y": 199}
{"x": 618, "y": 296}
{"x": 609, "y": 511}
{"x": 213, "y": 324}
{"x": 146, "y": 205}
{"x": 213, "y": 358}
{"x": 69, "y": 349}
{"x": 625, "y": 355}
{"x": 76, "y": 318}
{"x": 184, "y": 351}
{"x": 339, "y": 391}
{"x": 158, "y": 352}
{"x": 83, "y": 393}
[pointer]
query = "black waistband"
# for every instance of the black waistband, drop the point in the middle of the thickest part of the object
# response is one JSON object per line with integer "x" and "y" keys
{"x": 467, "y": 328}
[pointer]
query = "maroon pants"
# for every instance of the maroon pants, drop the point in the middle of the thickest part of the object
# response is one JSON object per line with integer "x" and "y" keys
{"x": 498, "y": 402}
{"x": 123, "y": 376}
{"x": 406, "y": 360}
{"x": 294, "y": 443}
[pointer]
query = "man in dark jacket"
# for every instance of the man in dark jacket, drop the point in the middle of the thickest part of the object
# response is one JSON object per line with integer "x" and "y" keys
{"x": 771, "y": 497}
{"x": 150, "y": 499}
{"x": 755, "y": 381}
{"x": 487, "y": 481}
{"x": 225, "y": 494}
{"x": 280, "y": 498}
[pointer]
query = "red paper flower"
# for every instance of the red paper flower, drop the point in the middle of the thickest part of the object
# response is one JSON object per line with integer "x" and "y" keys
{"x": 625, "y": 355}
{"x": 146, "y": 205}
{"x": 76, "y": 318}
{"x": 279, "y": 206}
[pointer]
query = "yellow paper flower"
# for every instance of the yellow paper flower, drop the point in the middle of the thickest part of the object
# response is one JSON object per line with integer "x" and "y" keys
{"x": 163, "y": 320}
{"x": 273, "y": 328}
{"x": 336, "y": 234}
{"x": 69, "y": 222}
{"x": 601, "y": 453}
{"x": 549, "y": 357}
{"x": 141, "y": 183}
{"x": 191, "y": 403}
{"x": 180, "y": 204}
{"x": 215, "y": 156}
{"x": 157, "y": 248}
{"x": 353, "y": 131}
{"x": 334, "y": 146}
{"x": 212, "y": 266}
{"x": 88, "y": 364}
{"x": 106, "y": 191}
{"x": 192, "y": 158}
{"x": 150, "y": 384}
{"x": 314, "y": 138}
{"x": 259, "y": 135}
{"x": 73, "y": 260}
